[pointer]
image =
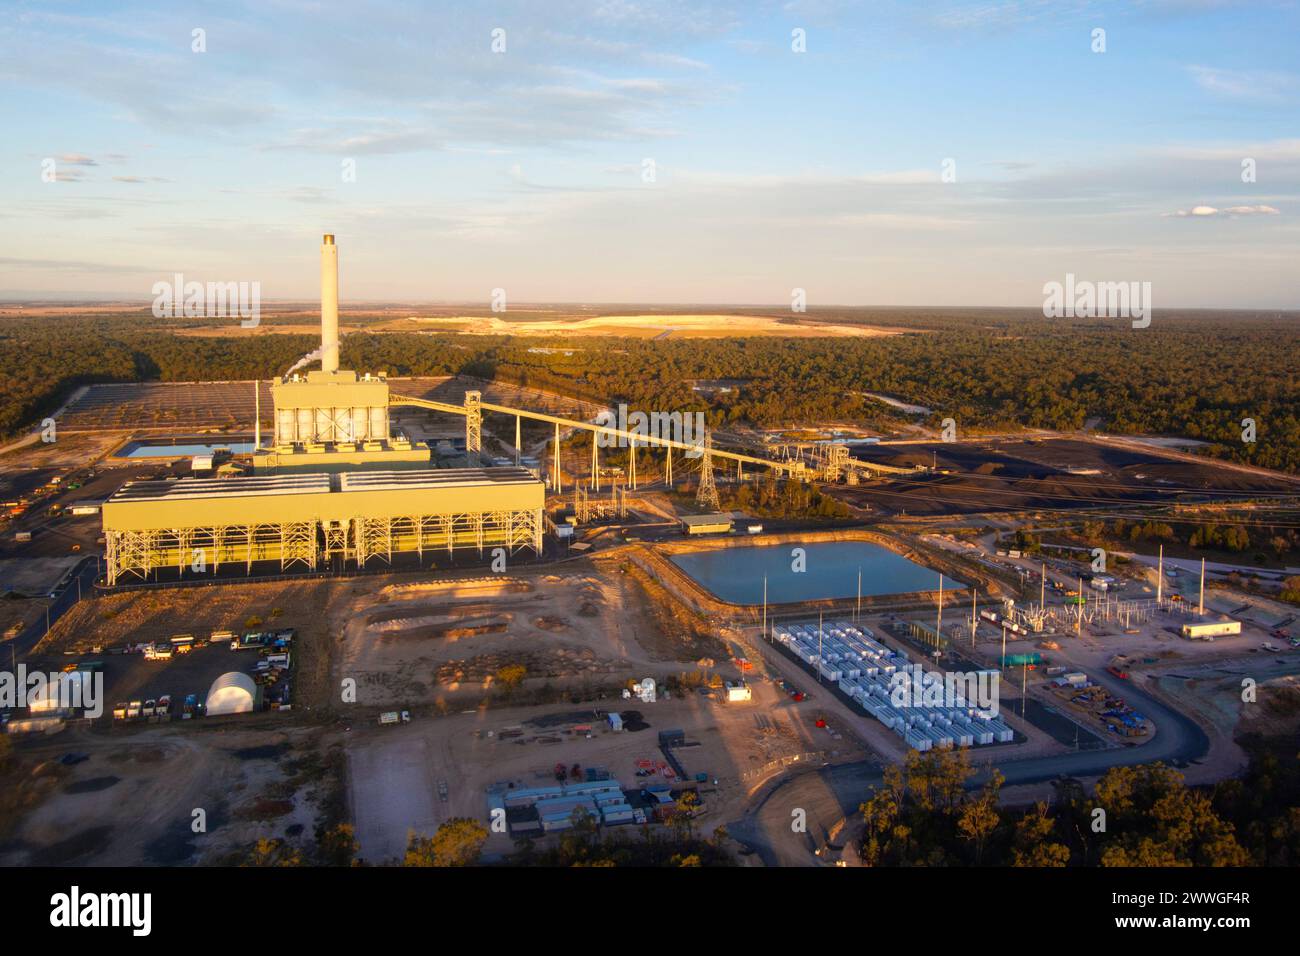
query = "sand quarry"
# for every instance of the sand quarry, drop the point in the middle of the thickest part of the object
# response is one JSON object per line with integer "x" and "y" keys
{"x": 646, "y": 326}
{"x": 652, "y": 326}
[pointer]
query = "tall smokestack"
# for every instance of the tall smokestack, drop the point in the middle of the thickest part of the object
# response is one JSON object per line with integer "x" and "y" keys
{"x": 329, "y": 305}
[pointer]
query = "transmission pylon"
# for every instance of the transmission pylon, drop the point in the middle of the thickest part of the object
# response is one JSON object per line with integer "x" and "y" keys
{"x": 706, "y": 496}
{"x": 473, "y": 428}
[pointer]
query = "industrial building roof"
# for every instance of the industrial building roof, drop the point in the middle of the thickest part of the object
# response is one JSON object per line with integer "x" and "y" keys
{"x": 313, "y": 483}
{"x": 315, "y": 496}
{"x": 434, "y": 478}
{"x": 706, "y": 520}
{"x": 188, "y": 488}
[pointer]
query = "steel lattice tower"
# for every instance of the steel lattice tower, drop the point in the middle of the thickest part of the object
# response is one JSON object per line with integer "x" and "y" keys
{"x": 706, "y": 496}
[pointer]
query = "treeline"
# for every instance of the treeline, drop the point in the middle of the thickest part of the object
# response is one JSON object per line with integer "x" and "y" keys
{"x": 769, "y": 497}
{"x": 1259, "y": 540}
{"x": 1198, "y": 376}
{"x": 922, "y": 815}
{"x": 43, "y": 361}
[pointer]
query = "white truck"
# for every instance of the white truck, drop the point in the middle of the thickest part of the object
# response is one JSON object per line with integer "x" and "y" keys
{"x": 394, "y": 717}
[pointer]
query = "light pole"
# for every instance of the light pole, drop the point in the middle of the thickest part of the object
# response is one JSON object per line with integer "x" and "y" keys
{"x": 819, "y": 647}
{"x": 1024, "y": 683}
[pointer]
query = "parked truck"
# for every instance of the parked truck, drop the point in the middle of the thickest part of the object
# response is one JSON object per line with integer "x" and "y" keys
{"x": 394, "y": 717}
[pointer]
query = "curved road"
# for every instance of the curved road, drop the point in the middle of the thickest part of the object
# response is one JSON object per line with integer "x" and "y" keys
{"x": 834, "y": 792}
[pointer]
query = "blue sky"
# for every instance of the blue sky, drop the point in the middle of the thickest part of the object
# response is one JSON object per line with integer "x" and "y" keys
{"x": 773, "y": 169}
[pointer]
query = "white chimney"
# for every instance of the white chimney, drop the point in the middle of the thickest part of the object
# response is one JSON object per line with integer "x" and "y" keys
{"x": 329, "y": 305}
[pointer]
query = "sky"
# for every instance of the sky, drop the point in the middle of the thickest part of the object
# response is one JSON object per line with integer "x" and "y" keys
{"x": 913, "y": 153}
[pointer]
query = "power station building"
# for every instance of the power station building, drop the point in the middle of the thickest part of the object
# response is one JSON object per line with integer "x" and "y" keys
{"x": 331, "y": 420}
{"x": 334, "y": 422}
{"x": 335, "y": 484}
{"x": 200, "y": 525}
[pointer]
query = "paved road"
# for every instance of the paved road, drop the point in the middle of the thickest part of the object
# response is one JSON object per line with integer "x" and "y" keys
{"x": 832, "y": 792}
{"x": 85, "y": 571}
{"x": 1193, "y": 567}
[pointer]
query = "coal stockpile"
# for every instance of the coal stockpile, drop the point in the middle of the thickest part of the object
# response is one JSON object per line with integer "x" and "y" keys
{"x": 1044, "y": 475}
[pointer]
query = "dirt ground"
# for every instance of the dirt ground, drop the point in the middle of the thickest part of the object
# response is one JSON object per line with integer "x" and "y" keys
{"x": 131, "y": 617}
{"x": 433, "y": 647}
{"x": 442, "y": 643}
{"x": 128, "y": 797}
{"x": 34, "y": 576}
{"x": 1215, "y": 697}
{"x": 403, "y": 638}
{"x": 71, "y": 449}
{"x": 398, "y": 773}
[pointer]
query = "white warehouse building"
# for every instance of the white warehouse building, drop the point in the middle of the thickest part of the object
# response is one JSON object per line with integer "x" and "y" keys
{"x": 232, "y": 693}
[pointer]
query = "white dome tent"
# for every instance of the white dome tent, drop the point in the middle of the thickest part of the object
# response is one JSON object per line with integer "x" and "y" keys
{"x": 232, "y": 693}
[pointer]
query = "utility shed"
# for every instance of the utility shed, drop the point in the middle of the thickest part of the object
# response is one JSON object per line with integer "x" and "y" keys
{"x": 737, "y": 693}
{"x": 232, "y": 693}
{"x": 706, "y": 524}
{"x": 1207, "y": 629}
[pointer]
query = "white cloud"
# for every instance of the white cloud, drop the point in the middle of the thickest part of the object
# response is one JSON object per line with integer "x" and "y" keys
{"x": 1244, "y": 84}
{"x": 1229, "y": 212}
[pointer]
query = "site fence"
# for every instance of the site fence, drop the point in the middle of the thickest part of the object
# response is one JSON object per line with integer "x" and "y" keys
{"x": 781, "y": 763}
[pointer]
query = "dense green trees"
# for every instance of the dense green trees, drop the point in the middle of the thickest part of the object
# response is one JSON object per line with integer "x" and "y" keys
{"x": 922, "y": 815}
{"x": 1245, "y": 532}
{"x": 1195, "y": 374}
{"x": 457, "y": 842}
{"x": 770, "y": 497}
